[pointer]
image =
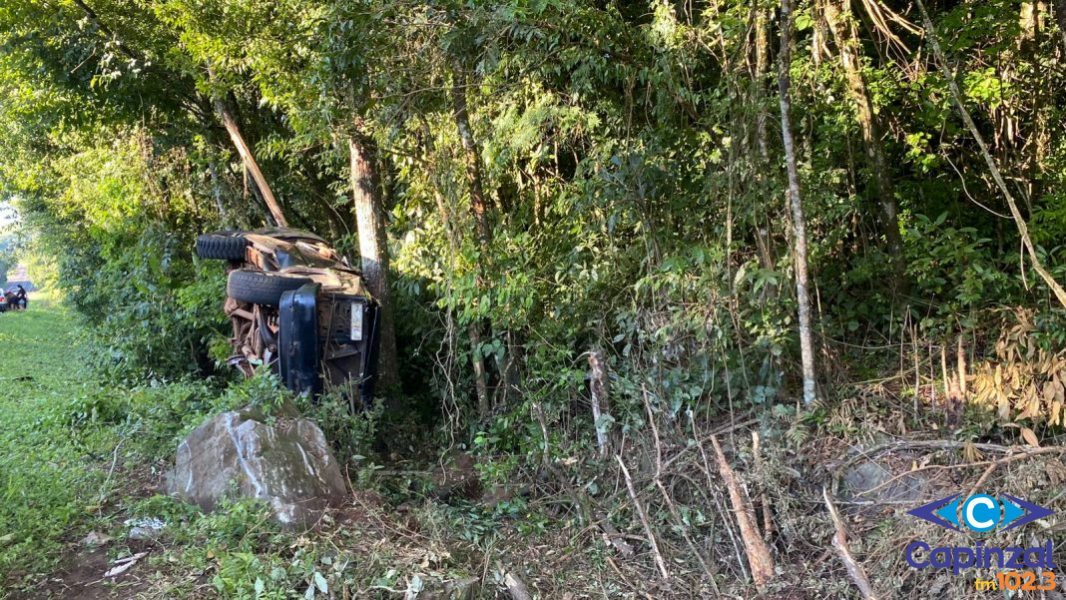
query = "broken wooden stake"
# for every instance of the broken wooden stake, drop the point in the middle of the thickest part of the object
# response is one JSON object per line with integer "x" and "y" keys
{"x": 759, "y": 558}
{"x": 600, "y": 405}
{"x": 659, "y": 562}
{"x": 840, "y": 543}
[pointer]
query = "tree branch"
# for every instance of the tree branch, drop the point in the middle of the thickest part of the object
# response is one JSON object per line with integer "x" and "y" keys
{"x": 89, "y": 12}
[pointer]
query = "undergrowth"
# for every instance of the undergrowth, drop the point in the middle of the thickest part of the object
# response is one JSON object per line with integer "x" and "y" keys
{"x": 79, "y": 456}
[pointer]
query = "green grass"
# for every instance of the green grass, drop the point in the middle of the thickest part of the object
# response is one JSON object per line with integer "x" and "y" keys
{"x": 75, "y": 452}
{"x": 49, "y": 480}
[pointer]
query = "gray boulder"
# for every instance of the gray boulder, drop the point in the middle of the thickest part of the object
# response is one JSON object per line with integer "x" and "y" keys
{"x": 285, "y": 462}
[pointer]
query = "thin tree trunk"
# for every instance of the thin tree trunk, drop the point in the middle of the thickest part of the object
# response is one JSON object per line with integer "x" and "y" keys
{"x": 473, "y": 163}
{"x": 481, "y": 385}
{"x": 481, "y": 382}
{"x": 370, "y": 225}
{"x": 1031, "y": 25}
{"x": 250, "y": 163}
{"x": 819, "y": 34}
{"x": 1019, "y": 221}
{"x": 761, "y": 63}
{"x": 841, "y": 23}
{"x": 216, "y": 192}
{"x": 478, "y": 207}
{"x": 1028, "y": 25}
{"x": 763, "y": 241}
{"x": 799, "y": 252}
{"x": 481, "y": 376}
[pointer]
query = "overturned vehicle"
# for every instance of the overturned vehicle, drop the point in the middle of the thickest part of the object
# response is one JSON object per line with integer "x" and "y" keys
{"x": 298, "y": 307}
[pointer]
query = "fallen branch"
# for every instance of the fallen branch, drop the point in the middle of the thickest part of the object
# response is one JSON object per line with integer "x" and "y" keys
{"x": 991, "y": 464}
{"x": 704, "y": 437}
{"x": 706, "y": 468}
{"x": 100, "y": 496}
{"x": 759, "y": 558}
{"x": 873, "y": 452}
{"x": 659, "y": 562}
{"x": 840, "y": 542}
{"x": 247, "y": 156}
{"x": 678, "y": 521}
{"x": 983, "y": 478}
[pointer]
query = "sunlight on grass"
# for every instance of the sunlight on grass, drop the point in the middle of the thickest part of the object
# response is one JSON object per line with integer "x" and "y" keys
{"x": 47, "y": 480}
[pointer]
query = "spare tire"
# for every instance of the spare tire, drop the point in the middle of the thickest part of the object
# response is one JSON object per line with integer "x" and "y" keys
{"x": 257, "y": 287}
{"x": 220, "y": 246}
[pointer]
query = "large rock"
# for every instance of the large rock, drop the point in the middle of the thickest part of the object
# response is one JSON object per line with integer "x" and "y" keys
{"x": 287, "y": 464}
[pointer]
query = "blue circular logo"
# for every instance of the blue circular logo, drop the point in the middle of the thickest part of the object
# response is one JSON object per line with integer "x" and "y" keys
{"x": 981, "y": 512}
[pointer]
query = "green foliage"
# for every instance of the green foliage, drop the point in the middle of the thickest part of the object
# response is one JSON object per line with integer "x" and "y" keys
{"x": 352, "y": 434}
{"x": 631, "y": 168}
{"x": 953, "y": 267}
{"x": 123, "y": 252}
{"x": 61, "y": 427}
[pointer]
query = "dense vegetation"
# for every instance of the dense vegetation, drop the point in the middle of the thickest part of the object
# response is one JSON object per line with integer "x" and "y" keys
{"x": 562, "y": 180}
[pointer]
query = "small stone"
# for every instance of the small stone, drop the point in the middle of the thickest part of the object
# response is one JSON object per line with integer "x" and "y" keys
{"x": 145, "y": 529}
{"x": 94, "y": 539}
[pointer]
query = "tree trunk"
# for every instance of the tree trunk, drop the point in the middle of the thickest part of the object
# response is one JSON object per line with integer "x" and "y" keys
{"x": 251, "y": 164}
{"x": 473, "y": 163}
{"x": 370, "y": 225}
{"x": 481, "y": 375}
{"x": 473, "y": 330}
{"x": 478, "y": 207}
{"x": 1031, "y": 25}
{"x": 761, "y": 62}
{"x": 841, "y": 23}
{"x": 763, "y": 240}
{"x": 799, "y": 253}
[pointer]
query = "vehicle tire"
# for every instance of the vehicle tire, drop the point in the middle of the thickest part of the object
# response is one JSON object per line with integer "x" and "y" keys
{"x": 220, "y": 247}
{"x": 257, "y": 287}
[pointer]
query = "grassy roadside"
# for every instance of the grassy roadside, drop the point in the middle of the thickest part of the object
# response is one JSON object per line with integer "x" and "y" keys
{"x": 78, "y": 456}
{"x": 49, "y": 480}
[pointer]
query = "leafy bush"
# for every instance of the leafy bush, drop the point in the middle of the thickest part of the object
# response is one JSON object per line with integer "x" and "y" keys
{"x": 953, "y": 269}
